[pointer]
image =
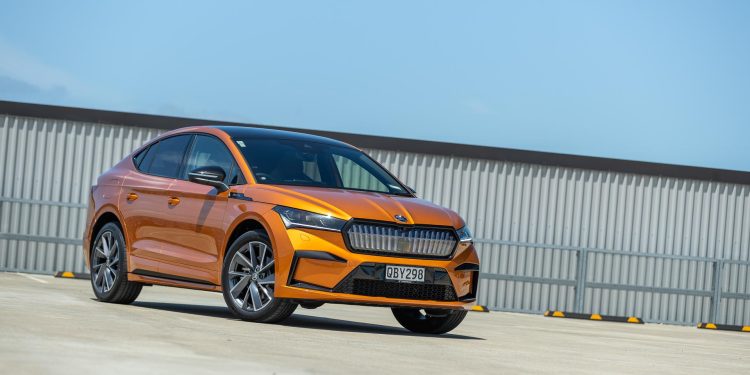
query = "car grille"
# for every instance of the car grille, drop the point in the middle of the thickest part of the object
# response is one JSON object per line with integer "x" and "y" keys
{"x": 401, "y": 241}
{"x": 380, "y": 288}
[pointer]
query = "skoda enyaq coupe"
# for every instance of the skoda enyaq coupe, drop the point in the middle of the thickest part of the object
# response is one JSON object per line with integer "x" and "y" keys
{"x": 275, "y": 219}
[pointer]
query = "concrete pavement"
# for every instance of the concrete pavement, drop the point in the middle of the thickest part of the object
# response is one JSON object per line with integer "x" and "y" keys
{"x": 54, "y": 325}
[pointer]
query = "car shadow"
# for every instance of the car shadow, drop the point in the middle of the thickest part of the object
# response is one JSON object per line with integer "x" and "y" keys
{"x": 212, "y": 311}
{"x": 332, "y": 324}
{"x": 298, "y": 320}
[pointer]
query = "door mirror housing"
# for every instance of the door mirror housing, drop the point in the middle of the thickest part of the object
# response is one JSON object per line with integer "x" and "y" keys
{"x": 209, "y": 175}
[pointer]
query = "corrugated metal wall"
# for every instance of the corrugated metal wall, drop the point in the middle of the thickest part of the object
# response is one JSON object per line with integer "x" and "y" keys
{"x": 549, "y": 238}
{"x": 533, "y": 222}
{"x": 47, "y": 168}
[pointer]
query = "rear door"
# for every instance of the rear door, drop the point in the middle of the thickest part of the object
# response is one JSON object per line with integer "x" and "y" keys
{"x": 197, "y": 233}
{"x": 145, "y": 200}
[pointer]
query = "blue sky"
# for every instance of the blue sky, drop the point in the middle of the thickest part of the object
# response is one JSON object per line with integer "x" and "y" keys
{"x": 662, "y": 81}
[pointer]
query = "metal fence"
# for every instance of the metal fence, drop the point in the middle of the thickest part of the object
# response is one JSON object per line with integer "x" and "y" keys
{"x": 596, "y": 241}
{"x": 665, "y": 249}
{"x": 586, "y": 288}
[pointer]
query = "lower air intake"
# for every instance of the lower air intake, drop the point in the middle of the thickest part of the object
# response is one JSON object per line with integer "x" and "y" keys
{"x": 379, "y": 288}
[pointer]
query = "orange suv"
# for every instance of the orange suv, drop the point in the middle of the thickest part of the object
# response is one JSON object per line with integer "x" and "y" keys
{"x": 273, "y": 220}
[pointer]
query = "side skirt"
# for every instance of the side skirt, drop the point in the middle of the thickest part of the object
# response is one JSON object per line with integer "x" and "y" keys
{"x": 156, "y": 278}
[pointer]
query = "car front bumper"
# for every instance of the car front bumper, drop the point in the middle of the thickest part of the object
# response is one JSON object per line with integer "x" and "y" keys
{"x": 316, "y": 265}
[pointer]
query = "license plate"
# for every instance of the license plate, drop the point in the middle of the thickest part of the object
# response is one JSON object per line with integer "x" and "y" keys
{"x": 405, "y": 274}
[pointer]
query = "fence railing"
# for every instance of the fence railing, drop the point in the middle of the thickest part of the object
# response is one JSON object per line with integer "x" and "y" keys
{"x": 581, "y": 280}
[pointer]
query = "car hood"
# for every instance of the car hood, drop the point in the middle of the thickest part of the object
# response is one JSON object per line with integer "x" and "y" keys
{"x": 347, "y": 204}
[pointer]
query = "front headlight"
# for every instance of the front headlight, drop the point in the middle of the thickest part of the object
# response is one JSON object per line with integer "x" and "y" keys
{"x": 294, "y": 218}
{"x": 464, "y": 234}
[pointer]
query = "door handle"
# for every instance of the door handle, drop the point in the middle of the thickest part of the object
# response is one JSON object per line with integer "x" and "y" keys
{"x": 173, "y": 201}
{"x": 132, "y": 196}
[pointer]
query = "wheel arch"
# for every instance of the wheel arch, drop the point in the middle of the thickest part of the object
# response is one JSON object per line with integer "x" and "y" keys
{"x": 107, "y": 214}
{"x": 243, "y": 225}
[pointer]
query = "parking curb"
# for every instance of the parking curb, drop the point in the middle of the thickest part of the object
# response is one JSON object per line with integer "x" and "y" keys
{"x": 599, "y": 317}
{"x": 480, "y": 308}
{"x": 724, "y": 327}
{"x": 73, "y": 275}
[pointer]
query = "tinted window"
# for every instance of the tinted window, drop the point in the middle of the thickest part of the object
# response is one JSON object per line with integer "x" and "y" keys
{"x": 148, "y": 157}
{"x": 236, "y": 178}
{"x": 139, "y": 158}
{"x": 288, "y": 162}
{"x": 164, "y": 158}
{"x": 210, "y": 151}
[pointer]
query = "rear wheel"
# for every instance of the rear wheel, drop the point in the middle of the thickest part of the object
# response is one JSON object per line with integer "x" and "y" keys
{"x": 248, "y": 281}
{"x": 109, "y": 267}
{"x": 432, "y": 321}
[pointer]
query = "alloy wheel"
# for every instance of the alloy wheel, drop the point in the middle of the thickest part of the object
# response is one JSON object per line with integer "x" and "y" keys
{"x": 105, "y": 262}
{"x": 251, "y": 276}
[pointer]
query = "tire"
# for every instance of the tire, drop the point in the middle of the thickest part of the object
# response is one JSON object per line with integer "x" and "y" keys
{"x": 109, "y": 267}
{"x": 430, "y": 321}
{"x": 248, "y": 280}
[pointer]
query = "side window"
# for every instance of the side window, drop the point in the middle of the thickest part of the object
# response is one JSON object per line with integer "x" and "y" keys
{"x": 164, "y": 158}
{"x": 138, "y": 159}
{"x": 355, "y": 176}
{"x": 235, "y": 177}
{"x": 209, "y": 151}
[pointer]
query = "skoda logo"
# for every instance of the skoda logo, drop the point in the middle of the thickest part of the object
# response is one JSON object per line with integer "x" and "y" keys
{"x": 400, "y": 218}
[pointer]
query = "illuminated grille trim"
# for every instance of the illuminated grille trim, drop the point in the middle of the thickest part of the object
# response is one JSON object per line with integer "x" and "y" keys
{"x": 384, "y": 239}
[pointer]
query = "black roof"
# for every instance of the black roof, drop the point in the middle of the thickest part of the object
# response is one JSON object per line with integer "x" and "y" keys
{"x": 389, "y": 143}
{"x": 237, "y": 132}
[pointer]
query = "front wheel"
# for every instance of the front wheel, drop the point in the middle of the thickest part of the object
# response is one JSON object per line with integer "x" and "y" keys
{"x": 432, "y": 321}
{"x": 248, "y": 281}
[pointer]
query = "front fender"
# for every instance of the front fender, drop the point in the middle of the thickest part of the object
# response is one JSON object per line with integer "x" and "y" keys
{"x": 239, "y": 211}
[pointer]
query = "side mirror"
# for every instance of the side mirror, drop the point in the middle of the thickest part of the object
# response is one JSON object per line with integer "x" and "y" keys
{"x": 211, "y": 176}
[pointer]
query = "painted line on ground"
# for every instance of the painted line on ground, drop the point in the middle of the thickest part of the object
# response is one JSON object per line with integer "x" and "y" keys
{"x": 32, "y": 278}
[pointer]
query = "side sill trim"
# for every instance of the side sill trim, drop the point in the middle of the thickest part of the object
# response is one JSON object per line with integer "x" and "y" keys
{"x": 165, "y": 276}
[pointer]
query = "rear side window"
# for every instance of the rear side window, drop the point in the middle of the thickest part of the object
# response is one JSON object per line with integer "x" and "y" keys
{"x": 138, "y": 159}
{"x": 208, "y": 151}
{"x": 144, "y": 158}
{"x": 164, "y": 158}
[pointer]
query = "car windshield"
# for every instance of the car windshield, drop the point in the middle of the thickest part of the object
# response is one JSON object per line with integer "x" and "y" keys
{"x": 292, "y": 162}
